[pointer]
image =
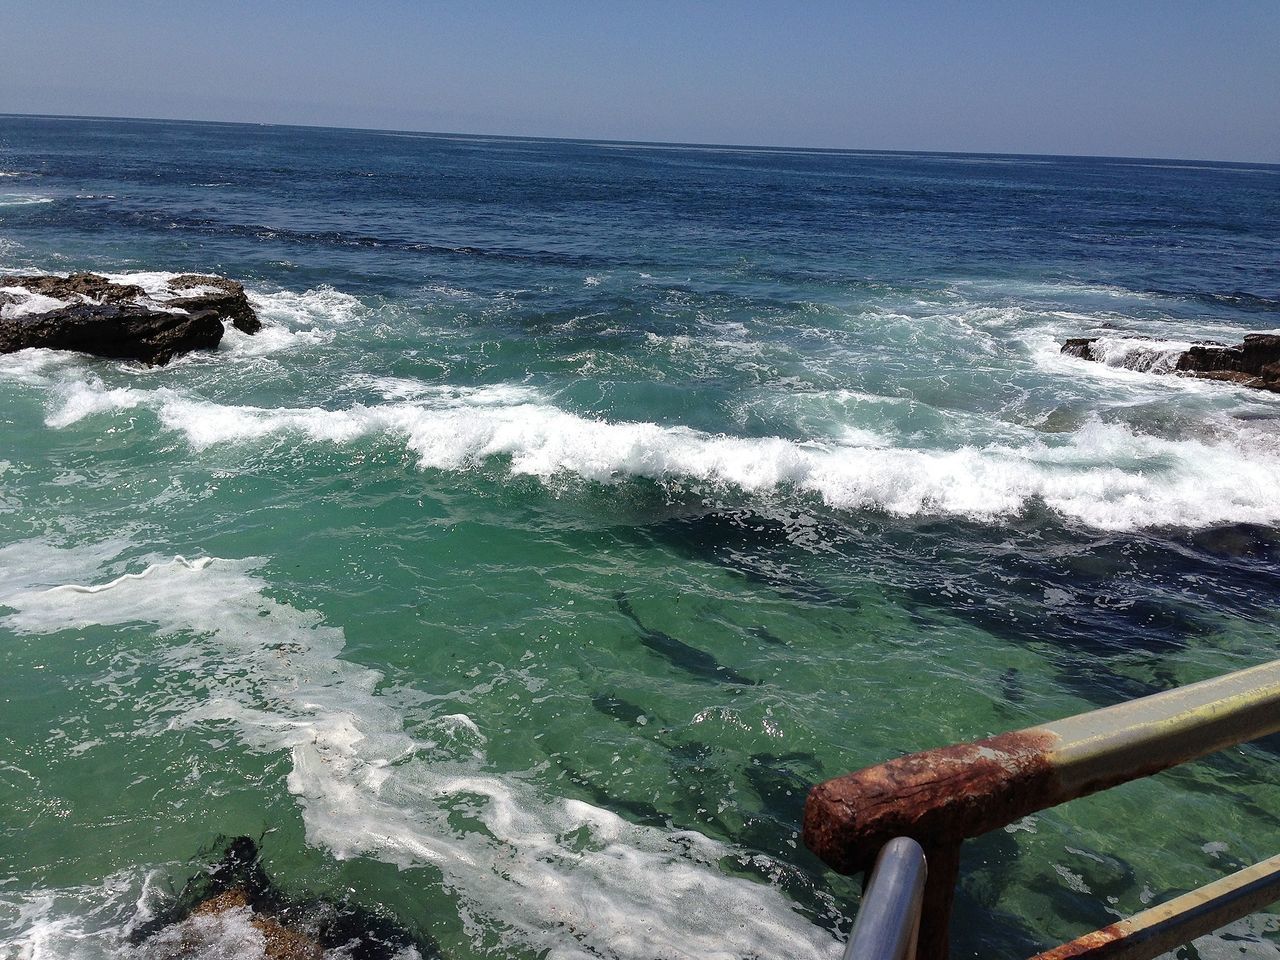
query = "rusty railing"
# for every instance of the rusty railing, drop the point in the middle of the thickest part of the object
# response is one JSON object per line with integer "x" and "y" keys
{"x": 941, "y": 797}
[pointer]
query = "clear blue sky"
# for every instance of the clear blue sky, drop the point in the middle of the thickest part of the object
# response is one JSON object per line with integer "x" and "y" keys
{"x": 1132, "y": 77}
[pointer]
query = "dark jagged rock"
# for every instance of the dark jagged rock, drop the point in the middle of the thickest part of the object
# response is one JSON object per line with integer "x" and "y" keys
{"x": 227, "y": 297}
{"x": 1081, "y": 347}
{"x": 88, "y": 285}
{"x": 236, "y": 888}
{"x": 1253, "y": 363}
{"x": 121, "y": 320}
{"x": 110, "y": 330}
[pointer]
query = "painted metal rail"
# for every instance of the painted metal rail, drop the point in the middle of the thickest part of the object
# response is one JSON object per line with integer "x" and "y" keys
{"x": 941, "y": 797}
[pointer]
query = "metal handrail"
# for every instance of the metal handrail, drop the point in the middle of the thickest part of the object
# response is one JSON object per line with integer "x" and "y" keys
{"x": 1156, "y": 931}
{"x": 888, "y": 922}
{"x": 942, "y": 797}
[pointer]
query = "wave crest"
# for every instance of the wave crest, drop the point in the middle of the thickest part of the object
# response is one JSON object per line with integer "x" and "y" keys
{"x": 1107, "y": 476}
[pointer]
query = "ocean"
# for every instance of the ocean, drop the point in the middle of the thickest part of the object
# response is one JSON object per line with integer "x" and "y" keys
{"x": 580, "y": 505}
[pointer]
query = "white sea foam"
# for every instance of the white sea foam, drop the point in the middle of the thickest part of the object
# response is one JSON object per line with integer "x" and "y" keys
{"x": 21, "y": 199}
{"x": 35, "y": 366}
{"x": 1140, "y": 354}
{"x": 1108, "y": 476}
{"x": 77, "y": 923}
{"x": 541, "y": 865}
{"x": 36, "y": 564}
{"x": 155, "y": 283}
{"x": 25, "y": 303}
{"x": 293, "y": 320}
{"x": 78, "y": 399}
{"x": 494, "y": 395}
{"x": 321, "y": 305}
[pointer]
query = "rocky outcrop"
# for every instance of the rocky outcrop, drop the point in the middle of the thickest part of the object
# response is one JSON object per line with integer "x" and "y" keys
{"x": 78, "y": 287}
{"x": 216, "y": 293}
{"x": 1253, "y": 363}
{"x": 93, "y": 314}
{"x": 1081, "y": 347}
{"x": 126, "y": 332}
{"x": 279, "y": 942}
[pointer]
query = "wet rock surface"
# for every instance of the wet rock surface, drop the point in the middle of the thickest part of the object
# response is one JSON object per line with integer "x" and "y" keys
{"x": 91, "y": 286}
{"x": 1252, "y": 363}
{"x": 234, "y": 909}
{"x": 225, "y": 296}
{"x": 1081, "y": 347}
{"x": 108, "y": 330}
{"x": 90, "y": 313}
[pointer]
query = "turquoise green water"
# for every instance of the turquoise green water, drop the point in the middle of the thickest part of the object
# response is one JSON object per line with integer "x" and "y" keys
{"x": 577, "y": 509}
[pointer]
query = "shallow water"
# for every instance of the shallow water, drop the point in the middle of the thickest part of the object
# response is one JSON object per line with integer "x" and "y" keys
{"x": 580, "y": 505}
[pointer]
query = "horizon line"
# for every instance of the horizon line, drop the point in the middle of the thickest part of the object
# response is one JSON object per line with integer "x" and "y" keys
{"x": 685, "y": 144}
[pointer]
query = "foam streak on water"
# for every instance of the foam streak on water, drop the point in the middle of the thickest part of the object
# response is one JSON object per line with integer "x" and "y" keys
{"x": 542, "y": 865}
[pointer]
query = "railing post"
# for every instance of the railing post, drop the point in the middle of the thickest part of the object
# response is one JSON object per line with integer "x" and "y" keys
{"x": 888, "y": 923}
{"x": 939, "y": 892}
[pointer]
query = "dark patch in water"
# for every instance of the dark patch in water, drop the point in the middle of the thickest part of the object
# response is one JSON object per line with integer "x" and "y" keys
{"x": 210, "y": 226}
{"x": 767, "y": 635}
{"x": 618, "y": 708}
{"x": 637, "y": 811}
{"x": 763, "y": 549}
{"x": 1234, "y": 299}
{"x": 1240, "y": 543}
{"x": 1011, "y": 687}
{"x": 1095, "y": 598}
{"x": 690, "y": 659}
{"x": 782, "y": 782}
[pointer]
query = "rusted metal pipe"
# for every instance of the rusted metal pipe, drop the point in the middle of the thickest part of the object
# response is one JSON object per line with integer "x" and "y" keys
{"x": 939, "y": 896}
{"x": 1152, "y": 932}
{"x": 940, "y": 797}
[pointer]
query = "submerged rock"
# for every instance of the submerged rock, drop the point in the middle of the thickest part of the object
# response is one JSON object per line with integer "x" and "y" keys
{"x": 1253, "y": 363}
{"x": 90, "y": 313}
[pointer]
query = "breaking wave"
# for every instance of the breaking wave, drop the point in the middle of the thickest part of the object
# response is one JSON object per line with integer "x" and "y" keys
{"x": 1141, "y": 355}
{"x": 1105, "y": 475}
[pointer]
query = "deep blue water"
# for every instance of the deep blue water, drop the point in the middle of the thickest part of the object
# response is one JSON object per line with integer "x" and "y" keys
{"x": 581, "y": 504}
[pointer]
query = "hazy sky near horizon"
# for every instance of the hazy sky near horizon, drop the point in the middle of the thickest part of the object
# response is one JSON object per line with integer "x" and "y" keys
{"x": 1137, "y": 78}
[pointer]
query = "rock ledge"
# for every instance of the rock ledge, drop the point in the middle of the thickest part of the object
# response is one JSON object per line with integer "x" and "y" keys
{"x": 128, "y": 321}
{"x": 1253, "y": 363}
